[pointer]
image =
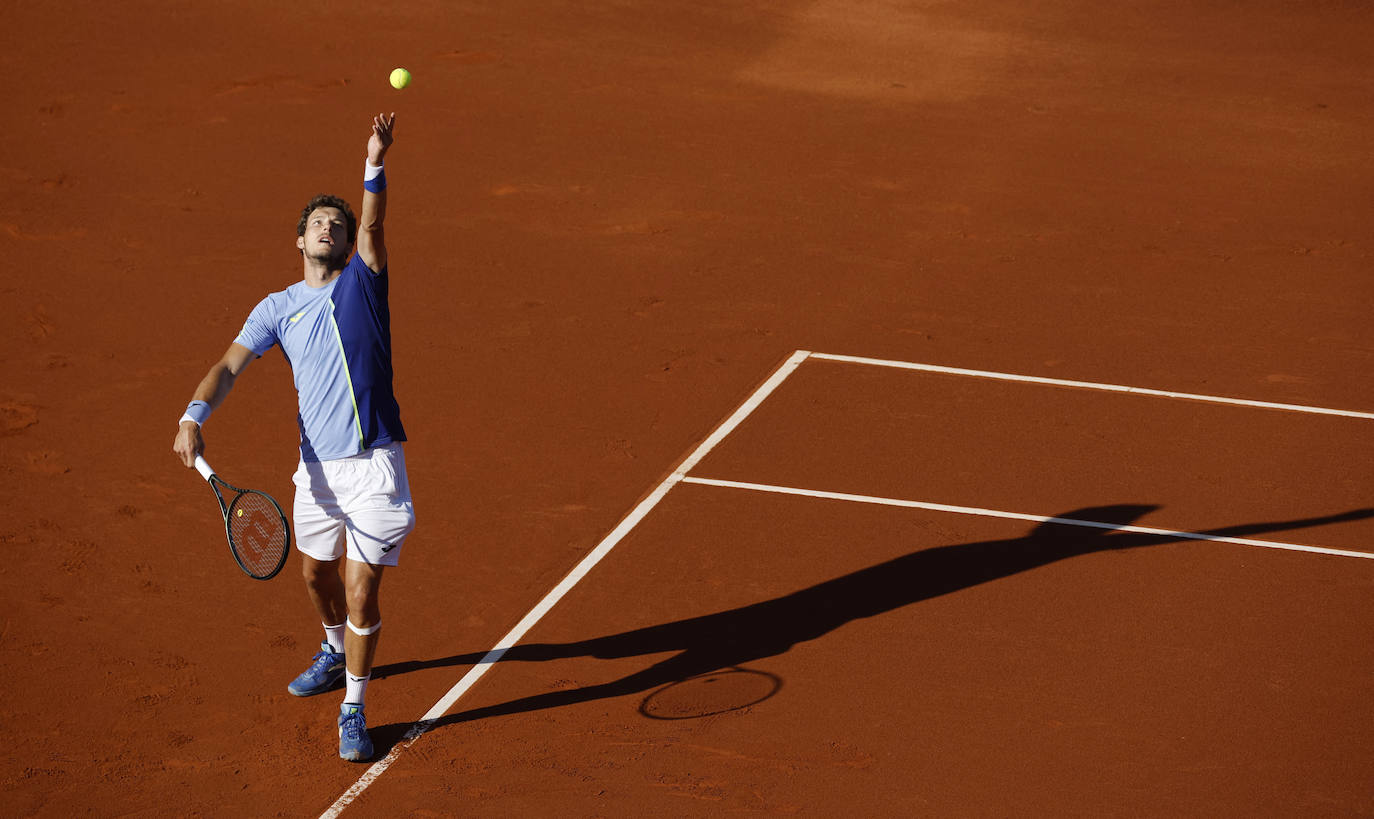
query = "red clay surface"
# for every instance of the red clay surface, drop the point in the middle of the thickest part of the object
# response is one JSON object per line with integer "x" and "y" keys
{"x": 1044, "y": 450}
{"x": 608, "y": 223}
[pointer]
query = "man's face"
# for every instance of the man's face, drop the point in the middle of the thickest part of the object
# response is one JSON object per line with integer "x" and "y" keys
{"x": 326, "y": 236}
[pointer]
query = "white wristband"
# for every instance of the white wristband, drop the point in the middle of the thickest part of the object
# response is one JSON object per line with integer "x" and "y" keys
{"x": 370, "y": 171}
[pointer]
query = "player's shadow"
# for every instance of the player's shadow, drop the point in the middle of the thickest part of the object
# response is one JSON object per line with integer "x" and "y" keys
{"x": 736, "y": 637}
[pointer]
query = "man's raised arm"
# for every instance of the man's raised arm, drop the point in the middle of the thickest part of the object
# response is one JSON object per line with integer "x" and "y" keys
{"x": 371, "y": 240}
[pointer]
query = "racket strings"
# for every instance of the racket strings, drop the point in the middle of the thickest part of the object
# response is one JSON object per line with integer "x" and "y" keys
{"x": 257, "y": 533}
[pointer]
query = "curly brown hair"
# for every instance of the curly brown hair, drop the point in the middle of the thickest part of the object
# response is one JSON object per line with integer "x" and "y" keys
{"x": 325, "y": 200}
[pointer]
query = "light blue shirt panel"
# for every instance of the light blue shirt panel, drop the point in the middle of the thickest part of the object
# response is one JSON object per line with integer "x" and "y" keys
{"x": 301, "y": 319}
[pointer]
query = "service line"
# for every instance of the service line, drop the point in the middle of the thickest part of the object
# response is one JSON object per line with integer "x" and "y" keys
{"x": 551, "y": 599}
{"x": 1088, "y": 385}
{"x": 994, "y": 513}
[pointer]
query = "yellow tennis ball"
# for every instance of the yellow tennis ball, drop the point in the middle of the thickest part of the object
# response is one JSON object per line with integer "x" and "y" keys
{"x": 400, "y": 78}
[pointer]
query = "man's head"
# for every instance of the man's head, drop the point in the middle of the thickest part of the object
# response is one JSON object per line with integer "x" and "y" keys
{"x": 326, "y": 230}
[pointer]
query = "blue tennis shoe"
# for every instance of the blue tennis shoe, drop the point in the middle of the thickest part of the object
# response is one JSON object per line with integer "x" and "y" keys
{"x": 354, "y": 743}
{"x": 324, "y": 673}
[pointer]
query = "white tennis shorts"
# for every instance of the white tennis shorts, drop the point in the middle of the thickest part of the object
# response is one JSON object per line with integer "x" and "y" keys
{"x": 361, "y": 502}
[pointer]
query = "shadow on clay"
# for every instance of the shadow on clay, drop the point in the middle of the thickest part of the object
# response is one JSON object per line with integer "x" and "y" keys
{"x": 724, "y": 642}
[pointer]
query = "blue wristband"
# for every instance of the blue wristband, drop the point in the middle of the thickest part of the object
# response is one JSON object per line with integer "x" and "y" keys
{"x": 198, "y": 411}
{"x": 374, "y": 178}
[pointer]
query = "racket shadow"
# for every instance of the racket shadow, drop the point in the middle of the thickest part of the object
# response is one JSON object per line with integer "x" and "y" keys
{"x": 737, "y": 637}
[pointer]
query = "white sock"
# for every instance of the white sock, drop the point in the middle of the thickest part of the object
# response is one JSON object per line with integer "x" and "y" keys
{"x": 355, "y": 688}
{"x": 334, "y": 636}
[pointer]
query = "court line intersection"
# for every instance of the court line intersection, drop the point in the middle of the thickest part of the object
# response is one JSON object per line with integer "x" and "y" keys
{"x": 680, "y": 475}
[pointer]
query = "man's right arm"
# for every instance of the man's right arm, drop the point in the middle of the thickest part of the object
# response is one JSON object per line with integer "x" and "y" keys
{"x": 213, "y": 389}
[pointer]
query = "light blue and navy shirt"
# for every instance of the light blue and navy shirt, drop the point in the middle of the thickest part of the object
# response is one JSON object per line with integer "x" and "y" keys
{"x": 337, "y": 339}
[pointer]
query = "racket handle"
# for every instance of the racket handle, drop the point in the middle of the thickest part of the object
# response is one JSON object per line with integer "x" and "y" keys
{"x": 203, "y": 468}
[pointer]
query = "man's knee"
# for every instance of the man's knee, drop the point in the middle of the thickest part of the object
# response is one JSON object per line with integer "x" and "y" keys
{"x": 363, "y": 609}
{"x": 364, "y": 604}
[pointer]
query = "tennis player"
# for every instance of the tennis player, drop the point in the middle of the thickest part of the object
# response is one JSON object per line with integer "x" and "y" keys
{"x": 353, "y": 508}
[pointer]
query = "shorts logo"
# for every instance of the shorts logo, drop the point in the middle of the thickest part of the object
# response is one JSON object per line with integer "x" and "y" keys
{"x": 386, "y": 547}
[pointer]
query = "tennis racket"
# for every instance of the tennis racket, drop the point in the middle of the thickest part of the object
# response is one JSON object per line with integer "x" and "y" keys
{"x": 259, "y": 537}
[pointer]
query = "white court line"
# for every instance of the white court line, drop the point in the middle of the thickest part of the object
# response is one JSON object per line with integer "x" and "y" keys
{"x": 993, "y": 513}
{"x": 602, "y": 549}
{"x": 1090, "y": 385}
{"x": 679, "y": 475}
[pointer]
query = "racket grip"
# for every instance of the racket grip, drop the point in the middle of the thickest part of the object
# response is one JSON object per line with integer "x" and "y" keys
{"x": 203, "y": 468}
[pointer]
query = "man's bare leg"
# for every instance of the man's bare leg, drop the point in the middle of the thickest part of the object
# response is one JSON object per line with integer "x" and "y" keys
{"x": 326, "y": 589}
{"x": 363, "y": 583}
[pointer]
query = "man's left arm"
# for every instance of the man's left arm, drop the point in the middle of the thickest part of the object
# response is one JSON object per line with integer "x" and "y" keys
{"x": 371, "y": 239}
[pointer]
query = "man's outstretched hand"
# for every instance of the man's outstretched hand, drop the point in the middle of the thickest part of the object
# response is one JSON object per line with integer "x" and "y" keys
{"x": 380, "y": 141}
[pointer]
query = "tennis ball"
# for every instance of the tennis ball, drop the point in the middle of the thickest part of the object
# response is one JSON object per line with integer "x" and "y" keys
{"x": 400, "y": 78}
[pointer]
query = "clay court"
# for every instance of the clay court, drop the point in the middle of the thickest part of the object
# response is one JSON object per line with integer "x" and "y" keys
{"x": 764, "y": 371}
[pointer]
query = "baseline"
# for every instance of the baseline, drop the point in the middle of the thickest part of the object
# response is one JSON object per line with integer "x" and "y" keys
{"x": 425, "y": 723}
{"x": 994, "y": 513}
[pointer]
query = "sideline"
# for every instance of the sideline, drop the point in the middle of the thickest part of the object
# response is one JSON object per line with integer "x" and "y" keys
{"x": 1088, "y": 385}
{"x": 993, "y": 513}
